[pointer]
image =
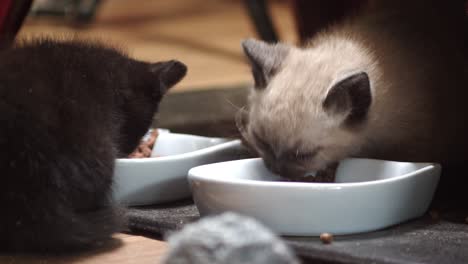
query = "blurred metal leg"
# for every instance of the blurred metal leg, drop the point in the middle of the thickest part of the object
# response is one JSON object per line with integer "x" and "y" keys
{"x": 261, "y": 19}
{"x": 313, "y": 16}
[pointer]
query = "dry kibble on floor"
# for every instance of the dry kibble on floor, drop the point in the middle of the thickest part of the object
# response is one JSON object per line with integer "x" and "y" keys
{"x": 326, "y": 238}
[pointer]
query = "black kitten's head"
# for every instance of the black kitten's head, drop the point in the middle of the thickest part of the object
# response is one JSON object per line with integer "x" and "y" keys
{"x": 137, "y": 87}
{"x": 119, "y": 95}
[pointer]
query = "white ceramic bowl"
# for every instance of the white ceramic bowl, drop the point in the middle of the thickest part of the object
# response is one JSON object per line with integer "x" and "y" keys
{"x": 368, "y": 195}
{"x": 163, "y": 179}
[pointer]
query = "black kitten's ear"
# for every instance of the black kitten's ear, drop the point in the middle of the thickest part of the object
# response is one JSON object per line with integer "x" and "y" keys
{"x": 265, "y": 59}
{"x": 169, "y": 73}
{"x": 351, "y": 97}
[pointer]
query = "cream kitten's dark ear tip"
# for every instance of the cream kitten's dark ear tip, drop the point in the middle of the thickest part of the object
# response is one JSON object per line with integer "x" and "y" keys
{"x": 351, "y": 95}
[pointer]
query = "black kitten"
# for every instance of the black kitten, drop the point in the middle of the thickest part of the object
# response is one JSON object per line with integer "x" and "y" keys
{"x": 67, "y": 111}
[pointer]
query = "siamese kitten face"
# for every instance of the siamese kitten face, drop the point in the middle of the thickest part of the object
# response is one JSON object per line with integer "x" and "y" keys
{"x": 306, "y": 109}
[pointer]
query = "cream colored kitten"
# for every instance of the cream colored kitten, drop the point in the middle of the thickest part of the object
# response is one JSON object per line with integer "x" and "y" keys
{"x": 386, "y": 84}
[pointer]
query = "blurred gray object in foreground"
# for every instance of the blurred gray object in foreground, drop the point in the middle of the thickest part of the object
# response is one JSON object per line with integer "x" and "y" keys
{"x": 227, "y": 239}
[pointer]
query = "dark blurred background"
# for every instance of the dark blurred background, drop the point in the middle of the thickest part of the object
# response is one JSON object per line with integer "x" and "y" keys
{"x": 204, "y": 34}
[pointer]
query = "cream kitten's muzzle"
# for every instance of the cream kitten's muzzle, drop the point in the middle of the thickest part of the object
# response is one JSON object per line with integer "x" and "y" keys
{"x": 291, "y": 170}
{"x": 286, "y": 168}
{"x": 293, "y": 173}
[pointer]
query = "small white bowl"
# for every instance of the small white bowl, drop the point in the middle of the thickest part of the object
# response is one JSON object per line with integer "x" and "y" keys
{"x": 368, "y": 195}
{"x": 163, "y": 177}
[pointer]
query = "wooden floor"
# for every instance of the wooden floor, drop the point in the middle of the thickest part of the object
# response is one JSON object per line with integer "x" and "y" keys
{"x": 204, "y": 34}
{"x": 124, "y": 249}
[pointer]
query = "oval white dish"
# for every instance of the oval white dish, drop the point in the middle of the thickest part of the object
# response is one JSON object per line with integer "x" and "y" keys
{"x": 163, "y": 177}
{"x": 368, "y": 195}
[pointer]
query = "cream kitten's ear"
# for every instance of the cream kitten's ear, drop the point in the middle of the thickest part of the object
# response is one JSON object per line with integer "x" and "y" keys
{"x": 265, "y": 59}
{"x": 351, "y": 97}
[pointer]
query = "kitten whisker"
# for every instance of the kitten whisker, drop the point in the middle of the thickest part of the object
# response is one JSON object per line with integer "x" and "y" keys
{"x": 233, "y": 105}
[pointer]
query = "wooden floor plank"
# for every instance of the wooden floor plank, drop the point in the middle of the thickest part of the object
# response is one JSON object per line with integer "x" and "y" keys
{"x": 124, "y": 249}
